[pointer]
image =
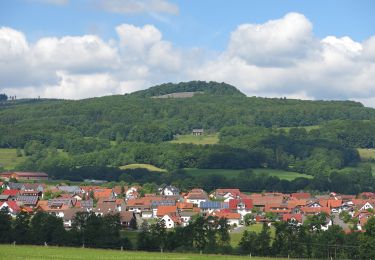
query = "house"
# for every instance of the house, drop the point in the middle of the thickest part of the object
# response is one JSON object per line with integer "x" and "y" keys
{"x": 88, "y": 205}
{"x": 260, "y": 200}
{"x": 168, "y": 190}
{"x": 186, "y": 217}
{"x": 171, "y": 221}
{"x": 367, "y": 205}
{"x": 197, "y": 131}
{"x": 314, "y": 210}
{"x": 227, "y": 194}
{"x": 335, "y": 205}
{"x": 210, "y": 206}
{"x": 12, "y": 206}
{"x": 241, "y": 206}
{"x": 128, "y": 219}
{"x": 4, "y": 197}
{"x": 69, "y": 215}
{"x": 14, "y": 186}
{"x": 139, "y": 205}
{"x": 233, "y": 218}
{"x": 196, "y": 196}
{"x": 278, "y": 208}
{"x": 106, "y": 207}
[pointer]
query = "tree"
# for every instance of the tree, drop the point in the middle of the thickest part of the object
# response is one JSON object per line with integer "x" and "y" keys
{"x": 5, "y": 226}
{"x": 264, "y": 240}
{"x": 3, "y": 97}
{"x": 21, "y": 228}
{"x": 367, "y": 240}
{"x": 249, "y": 243}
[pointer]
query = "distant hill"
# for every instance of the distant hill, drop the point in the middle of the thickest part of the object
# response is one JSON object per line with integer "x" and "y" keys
{"x": 202, "y": 87}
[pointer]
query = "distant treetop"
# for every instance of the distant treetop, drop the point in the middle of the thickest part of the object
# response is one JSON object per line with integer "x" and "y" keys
{"x": 211, "y": 88}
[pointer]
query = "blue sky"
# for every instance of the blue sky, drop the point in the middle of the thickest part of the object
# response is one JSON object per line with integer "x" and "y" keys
{"x": 293, "y": 48}
{"x": 199, "y": 23}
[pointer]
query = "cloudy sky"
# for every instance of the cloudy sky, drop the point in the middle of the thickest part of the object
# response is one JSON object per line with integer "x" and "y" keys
{"x": 272, "y": 48}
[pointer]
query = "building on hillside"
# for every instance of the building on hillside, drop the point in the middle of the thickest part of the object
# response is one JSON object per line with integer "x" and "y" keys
{"x": 197, "y": 132}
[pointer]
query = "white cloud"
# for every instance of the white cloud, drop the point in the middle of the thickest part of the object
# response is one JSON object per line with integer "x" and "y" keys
{"x": 278, "y": 58}
{"x": 275, "y": 43}
{"x": 138, "y": 6}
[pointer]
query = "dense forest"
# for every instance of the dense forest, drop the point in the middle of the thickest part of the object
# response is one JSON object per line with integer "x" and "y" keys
{"x": 66, "y": 137}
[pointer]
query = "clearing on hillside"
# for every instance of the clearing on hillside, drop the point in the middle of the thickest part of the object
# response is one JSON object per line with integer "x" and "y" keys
{"x": 366, "y": 154}
{"x": 198, "y": 139}
{"x": 149, "y": 167}
{"x": 50, "y": 252}
{"x": 9, "y": 159}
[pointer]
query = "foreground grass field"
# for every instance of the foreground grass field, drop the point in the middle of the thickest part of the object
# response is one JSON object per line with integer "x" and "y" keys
{"x": 9, "y": 159}
{"x": 142, "y": 166}
{"x": 201, "y": 139}
{"x": 41, "y": 252}
{"x": 284, "y": 175}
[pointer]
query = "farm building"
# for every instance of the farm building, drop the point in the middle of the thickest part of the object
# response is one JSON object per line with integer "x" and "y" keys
{"x": 198, "y": 132}
{"x": 33, "y": 176}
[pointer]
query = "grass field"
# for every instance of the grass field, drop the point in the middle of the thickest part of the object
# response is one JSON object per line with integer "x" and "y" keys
{"x": 142, "y": 166}
{"x": 284, "y": 175}
{"x": 200, "y": 139}
{"x": 9, "y": 159}
{"x": 235, "y": 238}
{"x": 41, "y": 252}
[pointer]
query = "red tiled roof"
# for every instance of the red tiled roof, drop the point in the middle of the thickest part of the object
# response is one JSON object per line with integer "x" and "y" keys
{"x": 12, "y": 205}
{"x": 301, "y": 195}
{"x": 315, "y": 210}
{"x": 288, "y": 217}
{"x": 103, "y": 193}
{"x": 334, "y": 203}
{"x": 263, "y": 200}
{"x": 276, "y": 208}
{"x": 234, "y": 202}
{"x": 10, "y": 192}
{"x": 227, "y": 215}
{"x": 165, "y": 210}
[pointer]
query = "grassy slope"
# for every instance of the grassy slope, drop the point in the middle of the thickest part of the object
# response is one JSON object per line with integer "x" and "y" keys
{"x": 233, "y": 173}
{"x": 366, "y": 154}
{"x": 40, "y": 252}
{"x": 9, "y": 159}
{"x": 201, "y": 139}
{"x": 308, "y": 128}
{"x": 144, "y": 166}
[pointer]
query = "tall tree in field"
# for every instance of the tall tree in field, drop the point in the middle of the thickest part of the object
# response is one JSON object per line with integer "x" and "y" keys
{"x": 367, "y": 240}
{"x": 21, "y": 228}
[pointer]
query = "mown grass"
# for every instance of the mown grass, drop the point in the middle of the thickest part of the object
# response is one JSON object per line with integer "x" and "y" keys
{"x": 235, "y": 237}
{"x": 200, "y": 139}
{"x": 9, "y": 159}
{"x": 284, "y": 175}
{"x": 142, "y": 166}
{"x": 41, "y": 252}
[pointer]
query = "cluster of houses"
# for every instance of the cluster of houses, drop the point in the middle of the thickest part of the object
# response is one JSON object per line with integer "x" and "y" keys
{"x": 177, "y": 208}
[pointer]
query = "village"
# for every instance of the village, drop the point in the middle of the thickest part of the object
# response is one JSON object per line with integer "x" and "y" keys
{"x": 177, "y": 208}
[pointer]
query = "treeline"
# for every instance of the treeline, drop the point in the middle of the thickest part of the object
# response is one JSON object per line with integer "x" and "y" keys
{"x": 203, "y": 234}
{"x": 310, "y": 241}
{"x": 88, "y": 230}
{"x": 142, "y": 119}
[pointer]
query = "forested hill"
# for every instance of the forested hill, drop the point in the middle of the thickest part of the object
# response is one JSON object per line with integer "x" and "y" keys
{"x": 137, "y": 118}
{"x": 211, "y": 88}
